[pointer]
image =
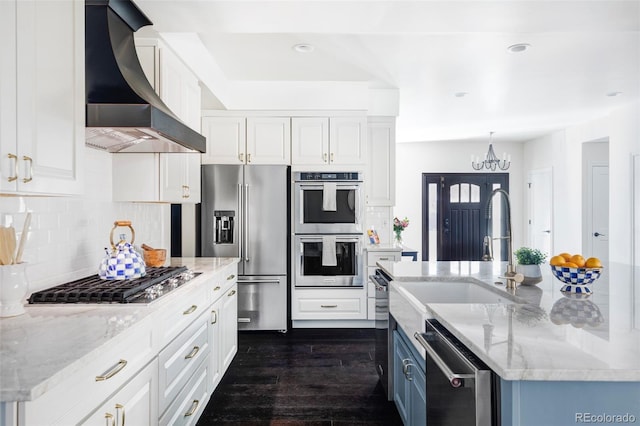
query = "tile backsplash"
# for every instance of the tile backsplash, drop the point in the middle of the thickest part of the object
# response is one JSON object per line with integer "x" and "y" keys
{"x": 68, "y": 235}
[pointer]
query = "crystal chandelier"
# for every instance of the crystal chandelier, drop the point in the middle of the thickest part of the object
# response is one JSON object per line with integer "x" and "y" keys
{"x": 491, "y": 161}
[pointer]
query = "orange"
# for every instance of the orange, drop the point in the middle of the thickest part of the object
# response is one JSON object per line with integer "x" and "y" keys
{"x": 557, "y": 261}
{"x": 569, "y": 265}
{"x": 566, "y": 256}
{"x": 578, "y": 260}
{"x": 593, "y": 262}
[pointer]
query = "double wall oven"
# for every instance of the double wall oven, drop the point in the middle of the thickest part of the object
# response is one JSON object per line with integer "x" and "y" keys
{"x": 328, "y": 231}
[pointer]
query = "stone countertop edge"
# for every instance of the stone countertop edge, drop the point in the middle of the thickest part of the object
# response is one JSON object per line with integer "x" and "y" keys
{"x": 40, "y": 348}
{"x": 528, "y": 341}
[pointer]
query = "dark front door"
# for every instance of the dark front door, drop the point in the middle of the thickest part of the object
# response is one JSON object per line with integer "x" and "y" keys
{"x": 455, "y": 217}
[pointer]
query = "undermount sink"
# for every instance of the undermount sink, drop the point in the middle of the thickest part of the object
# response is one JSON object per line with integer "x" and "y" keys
{"x": 454, "y": 292}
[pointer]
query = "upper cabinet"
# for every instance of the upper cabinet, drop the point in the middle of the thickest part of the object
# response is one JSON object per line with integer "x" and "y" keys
{"x": 324, "y": 141}
{"x": 381, "y": 164}
{"x": 247, "y": 140}
{"x": 172, "y": 80}
{"x": 42, "y": 104}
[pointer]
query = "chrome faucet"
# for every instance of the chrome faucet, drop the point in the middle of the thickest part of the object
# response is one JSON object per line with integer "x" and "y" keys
{"x": 510, "y": 274}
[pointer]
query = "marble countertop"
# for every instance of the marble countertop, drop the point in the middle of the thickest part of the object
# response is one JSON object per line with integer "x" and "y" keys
{"x": 39, "y": 348}
{"x": 547, "y": 335}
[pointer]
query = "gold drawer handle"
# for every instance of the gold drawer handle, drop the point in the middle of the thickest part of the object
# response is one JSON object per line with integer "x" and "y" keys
{"x": 214, "y": 317}
{"x": 15, "y": 167}
{"x": 120, "y": 407}
{"x": 115, "y": 370}
{"x": 193, "y": 352}
{"x": 191, "y": 310}
{"x": 230, "y": 277}
{"x": 216, "y": 288}
{"x": 231, "y": 293}
{"x": 193, "y": 409}
{"x": 328, "y": 306}
{"x": 30, "y": 160}
{"x": 109, "y": 416}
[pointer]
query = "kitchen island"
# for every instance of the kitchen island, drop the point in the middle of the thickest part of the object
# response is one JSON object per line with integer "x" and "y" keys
{"x": 59, "y": 363}
{"x": 561, "y": 359}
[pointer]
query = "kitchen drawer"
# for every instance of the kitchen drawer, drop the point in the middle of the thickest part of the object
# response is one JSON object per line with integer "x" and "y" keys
{"x": 94, "y": 378}
{"x": 190, "y": 402}
{"x": 178, "y": 361}
{"x": 223, "y": 281}
{"x": 180, "y": 313}
{"x": 381, "y": 256}
{"x": 313, "y": 304}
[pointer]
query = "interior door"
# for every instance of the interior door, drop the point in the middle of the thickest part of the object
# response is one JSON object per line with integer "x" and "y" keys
{"x": 598, "y": 213}
{"x": 462, "y": 218}
{"x": 540, "y": 190}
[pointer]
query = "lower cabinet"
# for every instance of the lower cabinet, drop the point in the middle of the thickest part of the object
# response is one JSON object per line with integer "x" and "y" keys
{"x": 229, "y": 329}
{"x": 329, "y": 304}
{"x": 137, "y": 401}
{"x": 409, "y": 384}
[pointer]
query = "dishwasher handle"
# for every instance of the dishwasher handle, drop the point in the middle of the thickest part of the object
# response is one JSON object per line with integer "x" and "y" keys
{"x": 455, "y": 379}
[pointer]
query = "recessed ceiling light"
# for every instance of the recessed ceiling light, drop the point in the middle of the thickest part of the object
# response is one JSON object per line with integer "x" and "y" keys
{"x": 517, "y": 48}
{"x": 613, "y": 94}
{"x": 303, "y": 48}
{"x": 460, "y": 94}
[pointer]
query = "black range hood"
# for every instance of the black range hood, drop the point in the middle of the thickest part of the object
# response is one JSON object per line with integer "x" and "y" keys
{"x": 123, "y": 112}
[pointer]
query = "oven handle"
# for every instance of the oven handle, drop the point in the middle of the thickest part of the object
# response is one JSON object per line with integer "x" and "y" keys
{"x": 456, "y": 380}
{"x": 339, "y": 239}
{"x": 338, "y": 184}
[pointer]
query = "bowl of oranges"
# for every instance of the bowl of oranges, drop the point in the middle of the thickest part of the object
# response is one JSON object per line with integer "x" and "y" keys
{"x": 575, "y": 272}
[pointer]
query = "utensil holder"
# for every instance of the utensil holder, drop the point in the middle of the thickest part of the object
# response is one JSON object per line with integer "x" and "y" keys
{"x": 13, "y": 289}
{"x": 155, "y": 257}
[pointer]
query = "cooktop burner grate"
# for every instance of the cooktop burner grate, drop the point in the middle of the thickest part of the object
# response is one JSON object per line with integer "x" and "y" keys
{"x": 92, "y": 289}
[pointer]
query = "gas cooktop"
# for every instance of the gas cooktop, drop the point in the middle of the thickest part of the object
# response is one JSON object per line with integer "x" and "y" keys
{"x": 156, "y": 283}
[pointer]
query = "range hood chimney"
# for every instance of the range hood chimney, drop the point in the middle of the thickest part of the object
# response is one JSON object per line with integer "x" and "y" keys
{"x": 124, "y": 113}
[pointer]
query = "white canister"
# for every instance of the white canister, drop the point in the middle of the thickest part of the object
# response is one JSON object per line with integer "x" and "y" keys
{"x": 13, "y": 289}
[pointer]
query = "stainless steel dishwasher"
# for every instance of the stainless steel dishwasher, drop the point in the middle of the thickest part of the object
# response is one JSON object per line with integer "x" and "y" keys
{"x": 461, "y": 389}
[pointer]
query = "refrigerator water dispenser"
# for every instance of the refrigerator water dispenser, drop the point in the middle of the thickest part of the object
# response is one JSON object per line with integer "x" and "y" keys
{"x": 223, "y": 226}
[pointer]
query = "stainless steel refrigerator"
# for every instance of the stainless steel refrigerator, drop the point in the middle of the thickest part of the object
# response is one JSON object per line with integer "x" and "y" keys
{"x": 244, "y": 213}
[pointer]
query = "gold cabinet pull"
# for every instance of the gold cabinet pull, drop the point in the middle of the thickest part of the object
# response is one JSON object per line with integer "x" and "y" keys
{"x": 230, "y": 277}
{"x": 216, "y": 288}
{"x": 248, "y": 157}
{"x": 115, "y": 370}
{"x": 193, "y": 409}
{"x": 214, "y": 317}
{"x": 15, "y": 167}
{"x": 231, "y": 293}
{"x": 193, "y": 352}
{"x": 185, "y": 191}
{"x": 191, "y": 310}
{"x": 241, "y": 157}
{"x": 324, "y": 157}
{"x": 328, "y": 306}
{"x": 30, "y": 178}
{"x": 120, "y": 407}
{"x": 332, "y": 157}
{"x": 110, "y": 420}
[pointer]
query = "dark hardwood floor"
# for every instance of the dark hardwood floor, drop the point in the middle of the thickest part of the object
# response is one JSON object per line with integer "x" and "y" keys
{"x": 302, "y": 377}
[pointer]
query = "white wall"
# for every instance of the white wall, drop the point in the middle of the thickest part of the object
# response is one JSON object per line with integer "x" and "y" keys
{"x": 562, "y": 151}
{"x": 68, "y": 234}
{"x": 414, "y": 159}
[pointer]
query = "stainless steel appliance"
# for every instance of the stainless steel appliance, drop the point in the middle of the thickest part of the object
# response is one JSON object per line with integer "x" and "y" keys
{"x": 311, "y": 271}
{"x": 156, "y": 283}
{"x": 244, "y": 213}
{"x": 381, "y": 281}
{"x": 310, "y": 217}
{"x": 461, "y": 389}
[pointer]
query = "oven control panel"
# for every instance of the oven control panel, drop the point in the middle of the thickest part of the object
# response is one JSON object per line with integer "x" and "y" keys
{"x": 328, "y": 176}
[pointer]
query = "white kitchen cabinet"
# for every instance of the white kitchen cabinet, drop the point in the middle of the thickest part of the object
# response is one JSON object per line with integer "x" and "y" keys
{"x": 42, "y": 112}
{"x": 136, "y": 403}
{"x": 229, "y": 327}
{"x": 247, "y": 140}
{"x": 171, "y": 177}
{"x": 381, "y": 163}
{"x": 374, "y": 255}
{"x": 328, "y": 304}
{"x": 191, "y": 402}
{"x": 172, "y": 80}
{"x": 328, "y": 140}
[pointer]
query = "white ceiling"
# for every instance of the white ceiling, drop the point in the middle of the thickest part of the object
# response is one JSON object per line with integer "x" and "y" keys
{"x": 428, "y": 51}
